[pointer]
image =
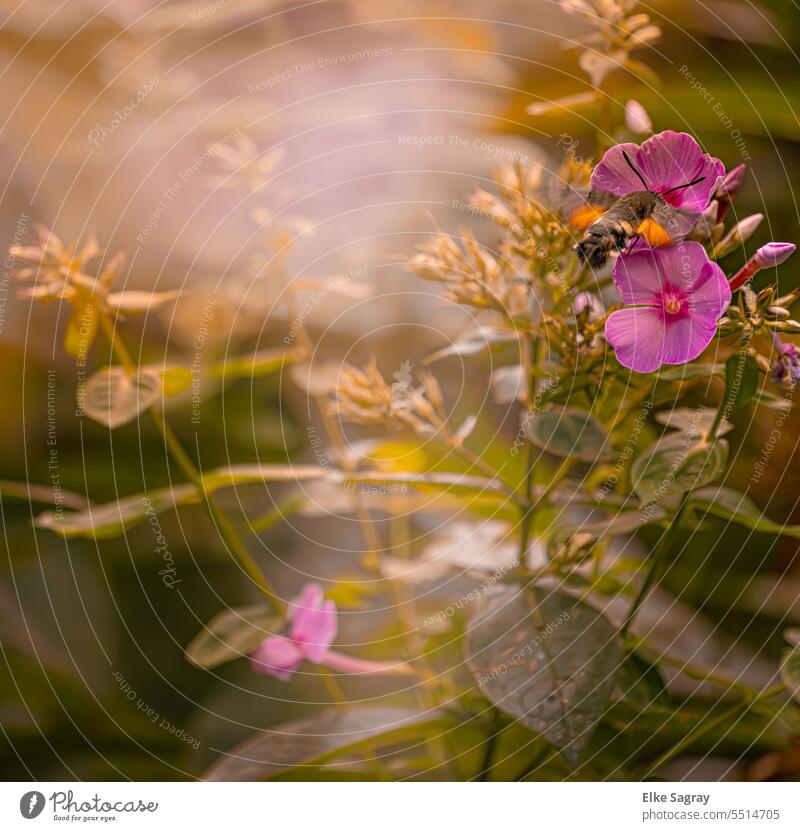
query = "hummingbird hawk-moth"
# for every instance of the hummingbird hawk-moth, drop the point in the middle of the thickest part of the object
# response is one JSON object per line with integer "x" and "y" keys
{"x": 612, "y": 223}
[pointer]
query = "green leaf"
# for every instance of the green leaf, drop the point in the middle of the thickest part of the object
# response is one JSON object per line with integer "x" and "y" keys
{"x": 676, "y": 464}
{"x": 316, "y": 740}
{"x": 175, "y": 380}
{"x": 690, "y": 372}
{"x": 741, "y": 380}
{"x": 623, "y": 522}
{"x": 548, "y": 660}
{"x": 452, "y": 483}
{"x": 473, "y": 342}
{"x": 113, "y": 518}
{"x": 693, "y": 422}
{"x": 112, "y": 398}
{"x": 231, "y": 634}
{"x": 733, "y": 506}
{"x": 568, "y": 432}
{"x": 251, "y": 366}
{"x": 226, "y": 477}
{"x": 790, "y": 671}
{"x": 640, "y": 682}
{"x": 132, "y": 302}
{"x": 42, "y": 493}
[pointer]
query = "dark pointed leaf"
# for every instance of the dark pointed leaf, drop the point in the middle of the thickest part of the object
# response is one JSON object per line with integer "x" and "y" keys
{"x": 546, "y": 659}
{"x": 790, "y": 671}
{"x": 733, "y": 506}
{"x": 568, "y": 432}
{"x": 741, "y": 380}
{"x": 676, "y": 464}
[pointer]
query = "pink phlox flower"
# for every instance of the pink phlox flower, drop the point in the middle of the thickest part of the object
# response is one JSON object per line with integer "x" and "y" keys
{"x": 677, "y": 295}
{"x": 312, "y": 629}
{"x": 666, "y": 162}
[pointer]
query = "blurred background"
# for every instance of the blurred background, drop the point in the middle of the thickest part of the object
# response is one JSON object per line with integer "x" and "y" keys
{"x": 233, "y": 148}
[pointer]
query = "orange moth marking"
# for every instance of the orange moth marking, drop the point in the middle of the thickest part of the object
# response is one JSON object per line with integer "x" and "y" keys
{"x": 586, "y": 215}
{"x": 653, "y": 233}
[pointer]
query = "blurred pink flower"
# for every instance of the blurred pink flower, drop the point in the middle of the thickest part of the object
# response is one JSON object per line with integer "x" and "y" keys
{"x": 678, "y": 295}
{"x": 312, "y": 630}
{"x": 636, "y": 118}
{"x": 672, "y": 164}
{"x": 786, "y": 366}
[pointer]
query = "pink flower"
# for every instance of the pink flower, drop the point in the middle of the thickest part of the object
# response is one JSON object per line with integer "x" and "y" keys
{"x": 667, "y": 162}
{"x": 312, "y": 630}
{"x": 678, "y": 295}
{"x": 636, "y": 118}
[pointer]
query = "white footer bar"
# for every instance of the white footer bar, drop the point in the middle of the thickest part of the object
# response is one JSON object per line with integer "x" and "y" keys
{"x": 401, "y": 806}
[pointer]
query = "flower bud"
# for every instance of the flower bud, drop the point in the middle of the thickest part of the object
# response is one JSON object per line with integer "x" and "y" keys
{"x": 768, "y": 256}
{"x": 773, "y": 254}
{"x": 731, "y": 183}
{"x": 779, "y": 312}
{"x": 738, "y": 235}
{"x": 637, "y": 119}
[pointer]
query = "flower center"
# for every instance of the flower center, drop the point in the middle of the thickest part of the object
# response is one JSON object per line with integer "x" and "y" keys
{"x": 672, "y": 305}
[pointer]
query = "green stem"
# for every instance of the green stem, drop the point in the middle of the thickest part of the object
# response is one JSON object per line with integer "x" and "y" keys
{"x": 718, "y": 418}
{"x": 190, "y": 471}
{"x": 657, "y": 557}
{"x": 528, "y": 508}
{"x": 529, "y": 356}
{"x": 700, "y": 674}
{"x": 478, "y": 462}
{"x": 491, "y": 744}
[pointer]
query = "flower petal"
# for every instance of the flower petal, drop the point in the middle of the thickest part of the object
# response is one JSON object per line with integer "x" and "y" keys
{"x": 685, "y": 268}
{"x": 665, "y": 161}
{"x": 276, "y": 656}
{"x": 637, "y": 277}
{"x": 685, "y": 338}
{"x": 710, "y": 295}
{"x": 669, "y": 160}
{"x": 637, "y": 336}
{"x": 613, "y": 174}
{"x": 313, "y": 622}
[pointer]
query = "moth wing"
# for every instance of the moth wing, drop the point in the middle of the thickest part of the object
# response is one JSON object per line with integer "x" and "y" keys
{"x": 667, "y": 224}
{"x": 584, "y": 215}
{"x": 579, "y": 207}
